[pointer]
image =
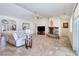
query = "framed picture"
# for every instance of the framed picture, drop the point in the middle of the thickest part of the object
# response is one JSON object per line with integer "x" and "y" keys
{"x": 14, "y": 27}
{"x": 25, "y": 26}
{"x": 65, "y": 25}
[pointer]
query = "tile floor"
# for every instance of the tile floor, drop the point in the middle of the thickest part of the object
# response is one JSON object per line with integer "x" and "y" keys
{"x": 42, "y": 46}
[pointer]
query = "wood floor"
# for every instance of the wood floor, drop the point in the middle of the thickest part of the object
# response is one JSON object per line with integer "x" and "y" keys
{"x": 42, "y": 46}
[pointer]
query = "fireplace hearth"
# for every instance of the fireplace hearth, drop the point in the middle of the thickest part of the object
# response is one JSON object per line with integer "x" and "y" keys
{"x": 53, "y": 30}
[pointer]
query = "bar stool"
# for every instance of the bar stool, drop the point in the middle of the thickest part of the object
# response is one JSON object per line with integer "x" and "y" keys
{"x": 28, "y": 41}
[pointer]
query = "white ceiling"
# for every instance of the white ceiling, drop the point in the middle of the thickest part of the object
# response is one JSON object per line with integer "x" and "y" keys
{"x": 13, "y": 10}
{"x": 28, "y": 10}
{"x": 49, "y": 9}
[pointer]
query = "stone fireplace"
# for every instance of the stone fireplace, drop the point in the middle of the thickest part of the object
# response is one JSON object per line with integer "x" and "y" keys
{"x": 53, "y": 29}
{"x": 53, "y": 32}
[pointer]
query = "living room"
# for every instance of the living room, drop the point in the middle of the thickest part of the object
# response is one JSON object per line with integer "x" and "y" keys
{"x": 36, "y": 29}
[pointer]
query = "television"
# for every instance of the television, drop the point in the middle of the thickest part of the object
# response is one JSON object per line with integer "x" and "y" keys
{"x": 41, "y": 28}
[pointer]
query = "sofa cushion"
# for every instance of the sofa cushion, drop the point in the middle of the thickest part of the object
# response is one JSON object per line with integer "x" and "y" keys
{"x": 20, "y": 34}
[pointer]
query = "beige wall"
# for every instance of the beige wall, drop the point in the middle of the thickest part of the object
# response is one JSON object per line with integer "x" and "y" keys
{"x": 18, "y": 22}
{"x": 57, "y": 22}
{"x": 64, "y": 31}
{"x": 42, "y": 22}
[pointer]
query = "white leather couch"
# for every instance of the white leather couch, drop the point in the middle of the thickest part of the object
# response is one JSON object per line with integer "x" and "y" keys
{"x": 16, "y": 38}
{"x": 19, "y": 37}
